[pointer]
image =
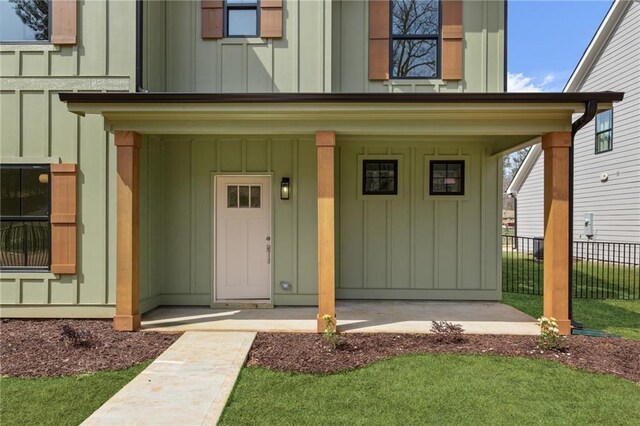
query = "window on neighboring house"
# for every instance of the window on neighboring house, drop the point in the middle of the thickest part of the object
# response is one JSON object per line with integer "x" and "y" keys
{"x": 241, "y": 18}
{"x": 415, "y": 28}
{"x": 24, "y": 20}
{"x": 24, "y": 217}
{"x": 446, "y": 177}
{"x": 380, "y": 177}
{"x": 604, "y": 131}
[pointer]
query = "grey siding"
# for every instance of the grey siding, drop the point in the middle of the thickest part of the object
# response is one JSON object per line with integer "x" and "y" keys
{"x": 530, "y": 208}
{"x": 616, "y": 202}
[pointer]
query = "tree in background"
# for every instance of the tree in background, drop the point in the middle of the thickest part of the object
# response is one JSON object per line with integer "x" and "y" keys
{"x": 510, "y": 165}
{"x": 35, "y": 15}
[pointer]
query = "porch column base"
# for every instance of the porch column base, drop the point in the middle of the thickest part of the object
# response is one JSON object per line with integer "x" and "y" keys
{"x": 556, "y": 228}
{"x": 126, "y": 322}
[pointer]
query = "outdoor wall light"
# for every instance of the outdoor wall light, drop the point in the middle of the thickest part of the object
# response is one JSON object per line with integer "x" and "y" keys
{"x": 284, "y": 188}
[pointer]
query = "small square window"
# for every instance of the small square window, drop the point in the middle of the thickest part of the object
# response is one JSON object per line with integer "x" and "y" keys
{"x": 25, "y": 20}
{"x": 242, "y": 18}
{"x": 604, "y": 131}
{"x": 380, "y": 177}
{"x": 446, "y": 177}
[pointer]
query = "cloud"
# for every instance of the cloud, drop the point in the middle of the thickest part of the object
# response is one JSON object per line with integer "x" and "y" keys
{"x": 521, "y": 83}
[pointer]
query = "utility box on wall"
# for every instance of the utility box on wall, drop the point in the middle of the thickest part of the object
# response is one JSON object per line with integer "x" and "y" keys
{"x": 588, "y": 225}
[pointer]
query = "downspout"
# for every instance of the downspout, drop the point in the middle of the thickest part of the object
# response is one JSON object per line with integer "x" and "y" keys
{"x": 591, "y": 107}
{"x": 139, "y": 35}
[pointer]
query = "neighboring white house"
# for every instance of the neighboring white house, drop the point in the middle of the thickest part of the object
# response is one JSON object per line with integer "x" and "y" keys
{"x": 607, "y": 150}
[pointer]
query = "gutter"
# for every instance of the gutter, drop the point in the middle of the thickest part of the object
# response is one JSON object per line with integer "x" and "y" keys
{"x": 590, "y": 110}
{"x": 139, "y": 46}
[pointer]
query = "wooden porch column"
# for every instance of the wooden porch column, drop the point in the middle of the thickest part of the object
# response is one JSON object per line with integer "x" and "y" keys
{"x": 325, "y": 143}
{"x": 127, "y": 242}
{"x": 556, "y": 228}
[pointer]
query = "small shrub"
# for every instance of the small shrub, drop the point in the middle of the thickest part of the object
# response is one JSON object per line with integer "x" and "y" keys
{"x": 78, "y": 339}
{"x": 330, "y": 334}
{"x": 550, "y": 338}
{"x": 447, "y": 332}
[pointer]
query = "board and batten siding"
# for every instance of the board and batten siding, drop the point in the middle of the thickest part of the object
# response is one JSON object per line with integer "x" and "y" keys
{"x": 615, "y": 203}
{"x": 483, "y": 44}
{"x": 177, "y": 59}
{"x": 35, "y": 127}
{"x": 413, "y": 247}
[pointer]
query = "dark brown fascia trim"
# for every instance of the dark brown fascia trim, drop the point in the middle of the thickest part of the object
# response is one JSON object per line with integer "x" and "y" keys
{"x": 132, "y": 97}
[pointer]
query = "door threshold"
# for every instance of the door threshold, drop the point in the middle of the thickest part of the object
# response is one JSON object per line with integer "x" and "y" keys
{"x": 243, "y": 304}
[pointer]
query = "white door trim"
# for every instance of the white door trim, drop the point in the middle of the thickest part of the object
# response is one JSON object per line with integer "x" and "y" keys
{"x": 214, "y": 193}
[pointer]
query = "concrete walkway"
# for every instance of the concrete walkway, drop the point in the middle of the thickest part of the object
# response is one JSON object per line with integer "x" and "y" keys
{"x": 353, "y": 316}
{"x": 189, "y": 384}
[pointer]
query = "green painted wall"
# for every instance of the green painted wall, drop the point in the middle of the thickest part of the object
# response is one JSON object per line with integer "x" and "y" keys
{"x": 409, "y": 246}
{"x": 483, "y": 25}
{"x": 35, "y": 127}
{"x": 177, "y": 186}
{"x": 324, "y": 49}
{"x": 178, "y": 59}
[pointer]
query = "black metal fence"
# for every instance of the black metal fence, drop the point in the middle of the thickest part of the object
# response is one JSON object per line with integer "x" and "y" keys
{"x": 601, "y": 270}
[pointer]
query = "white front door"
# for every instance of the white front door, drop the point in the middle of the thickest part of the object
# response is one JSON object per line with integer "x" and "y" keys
{"x": 243, "y": 237}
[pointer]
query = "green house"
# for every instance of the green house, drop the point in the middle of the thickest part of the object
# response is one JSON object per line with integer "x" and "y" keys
{"x": 265, "y": 153}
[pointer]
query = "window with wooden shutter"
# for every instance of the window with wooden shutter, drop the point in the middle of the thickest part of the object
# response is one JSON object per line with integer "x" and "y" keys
{"x": 63, "y": 218}
{"x": 452, "y": 33}
{"x": 64, "y": 22}
{"x": 241, "y": 18}
{"x": 211, "y": 26}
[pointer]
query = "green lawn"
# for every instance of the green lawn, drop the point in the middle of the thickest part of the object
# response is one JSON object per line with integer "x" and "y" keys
{"x": 522, "y": 274}
{"x": 620, "y": 317}
{"x": 435, "y": 389}
{"x": 59, "y": 400}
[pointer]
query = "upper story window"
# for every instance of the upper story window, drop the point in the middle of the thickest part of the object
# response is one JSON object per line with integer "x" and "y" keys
{"x": 24, "y": 217}
{"x": 242, "y": 18}
{"x": 24, "y": 20}
{"x": 604, "y": 131}
{"x": 415, "y": 28}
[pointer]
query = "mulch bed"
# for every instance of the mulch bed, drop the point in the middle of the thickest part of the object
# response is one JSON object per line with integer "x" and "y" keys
{"x": 39, "y": 348}
{"x": 310, "y": 353}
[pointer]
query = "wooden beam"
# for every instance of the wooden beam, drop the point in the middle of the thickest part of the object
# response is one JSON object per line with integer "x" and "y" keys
{"x": 556, "y": 147}
{"x": 127, "y": 245}
{"x": 325, "y": 143}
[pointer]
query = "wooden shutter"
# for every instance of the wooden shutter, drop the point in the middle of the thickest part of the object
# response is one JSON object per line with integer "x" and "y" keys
{"x": 379, "y": 33}
{"x": 64, "y": 21}
{"x": 271, "y": 18}
{"x": 452, "y": 39}
{"x": 63, "y": 218}
{"x": 211, "y": 19}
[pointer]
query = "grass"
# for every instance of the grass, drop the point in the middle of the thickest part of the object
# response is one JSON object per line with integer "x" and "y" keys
{"x": 59, "y": 400}
{"x": 620, "y": 317}
{"x": 435, "y": 389}
{"x": 594, "y": 280}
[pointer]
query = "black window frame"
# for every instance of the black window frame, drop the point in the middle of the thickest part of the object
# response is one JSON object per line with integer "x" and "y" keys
{"x": 49, "y": 31}
{"x": 241, "y": 6}
{"x": 462, "y": 163}
{"x": 47, "y": 218}
{"x": 598, "y": 133}
{"x": 365, "y": 191}
{"x": 437, "y": 37}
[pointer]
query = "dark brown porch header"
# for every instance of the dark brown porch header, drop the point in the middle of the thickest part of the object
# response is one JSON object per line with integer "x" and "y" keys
{"x": 163, "y": 97}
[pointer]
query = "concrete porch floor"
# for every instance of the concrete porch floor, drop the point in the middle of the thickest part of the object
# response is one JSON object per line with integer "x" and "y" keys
{"x": 353, "y": 316}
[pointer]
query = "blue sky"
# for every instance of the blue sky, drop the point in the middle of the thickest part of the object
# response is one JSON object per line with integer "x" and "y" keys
{"x": 546, "y": 39}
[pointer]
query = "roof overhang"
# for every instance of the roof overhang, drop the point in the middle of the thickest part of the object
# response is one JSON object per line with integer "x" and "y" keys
{"x": 510, "y": 118}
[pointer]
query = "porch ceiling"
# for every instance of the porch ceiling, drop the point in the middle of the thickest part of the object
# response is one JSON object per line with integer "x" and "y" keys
{"x": 511, "y": 119}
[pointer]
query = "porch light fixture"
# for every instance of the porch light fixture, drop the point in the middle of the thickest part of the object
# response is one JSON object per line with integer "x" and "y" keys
{"x": 284, "y": 188}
